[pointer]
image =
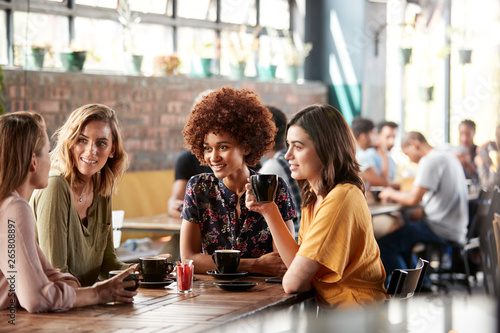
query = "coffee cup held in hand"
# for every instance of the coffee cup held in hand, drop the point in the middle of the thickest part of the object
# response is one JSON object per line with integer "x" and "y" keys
{"x": 132, "y": 276}
{"x": 264, "y": 187}
{"x": 227, "y": 261}
{"x": 155, "y": 269}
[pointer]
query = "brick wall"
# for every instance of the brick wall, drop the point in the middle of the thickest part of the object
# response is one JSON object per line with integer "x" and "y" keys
{"x": 152, "y": 110}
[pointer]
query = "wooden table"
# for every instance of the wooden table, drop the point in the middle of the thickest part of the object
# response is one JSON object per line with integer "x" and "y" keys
{"x": 383, "y": 208}
{"x": 162, "y": 310}
{"x": 429, "y": 314}
{"x": 156, "y": 223}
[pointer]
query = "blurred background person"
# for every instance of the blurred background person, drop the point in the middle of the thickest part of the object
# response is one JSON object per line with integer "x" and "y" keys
{"x": 440, "y": 187}
{"x": 186, "y": 166}
{"x": 386, "y": 136}
{"x": 467, "y": 150}
{"x": 487, "y": 161}
{"x": 366, "y": 155}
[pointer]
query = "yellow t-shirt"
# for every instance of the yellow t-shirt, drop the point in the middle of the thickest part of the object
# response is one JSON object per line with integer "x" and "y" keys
{"x": 340, "y": 238}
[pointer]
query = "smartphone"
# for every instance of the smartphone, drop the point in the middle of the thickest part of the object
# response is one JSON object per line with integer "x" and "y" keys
{"x": 275, "y": 279}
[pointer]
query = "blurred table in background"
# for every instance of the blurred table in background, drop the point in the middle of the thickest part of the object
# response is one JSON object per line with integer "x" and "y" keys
{"x": 379, "y": 208}
{"x": 165, "y": 226}
{"x": 157, "y": 223}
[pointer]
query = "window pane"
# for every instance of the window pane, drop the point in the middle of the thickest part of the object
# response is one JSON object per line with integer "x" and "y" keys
{"x": 170, "y": 8}
{"x": 275, "y": 13}
{"x": 43, "y": 30}
{"x": 98, "y": 3}
{"x": 239, "y": 12}
{"x": 237, "y": 47}
{"x": 105, "y": 50}
{"x": 149, "y": 6}
{"x": 3, "y": 39}
{"x": 152, "y": 40}
{"x": 271, "y": 49}
{"x": 194, "y": 44}
{"x": 197, "y": 9}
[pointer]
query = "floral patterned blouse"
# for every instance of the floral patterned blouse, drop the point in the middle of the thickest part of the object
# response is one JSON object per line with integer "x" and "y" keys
{"x": 211, "y": 205}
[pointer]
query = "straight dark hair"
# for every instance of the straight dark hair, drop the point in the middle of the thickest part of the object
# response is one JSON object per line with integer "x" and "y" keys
{"x": 335, "y": 146}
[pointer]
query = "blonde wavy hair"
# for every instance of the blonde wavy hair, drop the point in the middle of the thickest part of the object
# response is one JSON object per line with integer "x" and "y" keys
{"x": 21, "y": 136}
{"x": 107, "y": 180}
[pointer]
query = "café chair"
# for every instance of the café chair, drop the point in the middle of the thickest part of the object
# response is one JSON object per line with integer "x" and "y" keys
{"x": 496, "y": 231}
{"x": 406, "y": 282}
{"x": 459, "y": 254}
{"x": 479, "y": 218}
{"x": 488, "y": 247}
{"x": 117, "y": 222}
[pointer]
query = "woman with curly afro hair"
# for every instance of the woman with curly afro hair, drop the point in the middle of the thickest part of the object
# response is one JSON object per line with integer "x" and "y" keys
{"x": 230, "y": 130}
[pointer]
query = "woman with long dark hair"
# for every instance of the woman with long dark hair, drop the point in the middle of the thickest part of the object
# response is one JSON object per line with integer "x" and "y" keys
{"x": 337, "y": 253}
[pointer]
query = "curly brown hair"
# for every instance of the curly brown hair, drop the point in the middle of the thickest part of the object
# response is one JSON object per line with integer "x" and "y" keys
{"x": 239, "y": 113}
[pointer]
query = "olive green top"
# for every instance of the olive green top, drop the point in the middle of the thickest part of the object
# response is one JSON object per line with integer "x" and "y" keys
{"x": 85, "y": 252}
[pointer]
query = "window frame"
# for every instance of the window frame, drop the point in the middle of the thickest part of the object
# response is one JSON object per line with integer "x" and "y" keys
{"x": 69, "y": 9}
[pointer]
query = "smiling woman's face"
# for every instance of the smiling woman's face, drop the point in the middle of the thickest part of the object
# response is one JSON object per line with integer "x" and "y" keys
{"x": 93, "y": 148}
{"x": 302, "y": 155}
{"x": 224, "y": 154}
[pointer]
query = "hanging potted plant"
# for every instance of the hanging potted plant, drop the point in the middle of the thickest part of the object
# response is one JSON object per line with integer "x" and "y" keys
{"x": 128, "y": 19}
{"x": 295, "y": 53}
{"x": 461, "y": 39}
{"x": 427, "y": 66}
{"x": 464, "y": 56}
{"x": 426, "y": 93}
{"x": 405, "y": 55}
{"x": 406, "y": 49}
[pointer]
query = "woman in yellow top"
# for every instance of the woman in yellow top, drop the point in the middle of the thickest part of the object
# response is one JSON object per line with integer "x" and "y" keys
{"x": 337, "y": 254}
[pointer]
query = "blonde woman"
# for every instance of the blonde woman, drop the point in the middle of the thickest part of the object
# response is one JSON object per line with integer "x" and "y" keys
{"x": 73, "y": 214}
{"x": 24, "y": 166}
